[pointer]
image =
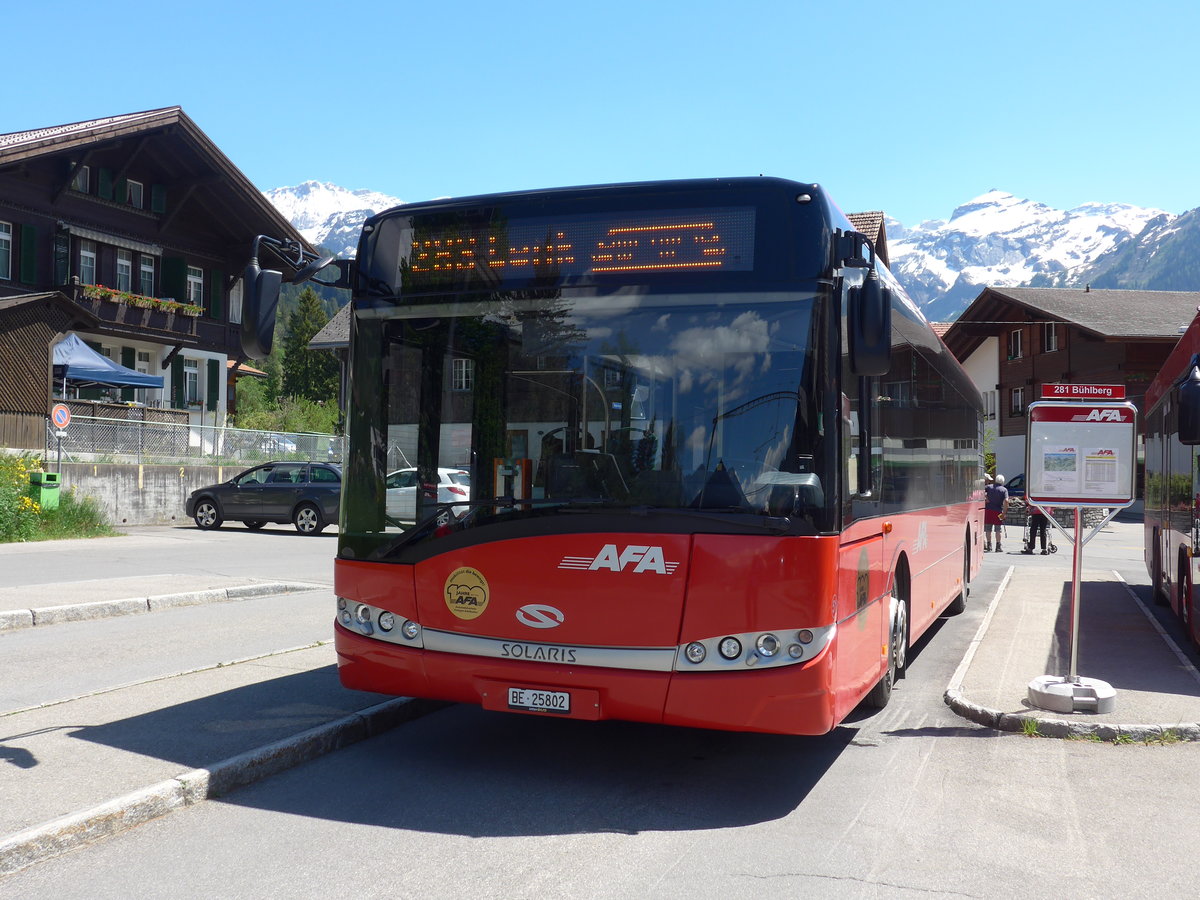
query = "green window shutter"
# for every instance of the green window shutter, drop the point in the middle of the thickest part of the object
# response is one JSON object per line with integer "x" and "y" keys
{"x": 177, "y": 399}
{"x": 28, "y": 254}
{"x": 158, "y": 198}
{"x": 122, "y": 190}
{"x": 216, "y": 293}
{"x": 129, "y": 361}
{"x": 214, "y": 383}
{"x": 104, "y": 184}
{"x": 174, "y": 278}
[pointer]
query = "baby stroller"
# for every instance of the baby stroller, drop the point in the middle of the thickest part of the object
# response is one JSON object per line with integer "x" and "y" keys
{"x": 1028, "y": 536}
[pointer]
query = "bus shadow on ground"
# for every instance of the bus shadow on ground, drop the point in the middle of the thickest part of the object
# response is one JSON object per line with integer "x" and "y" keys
{"x": 466, "y": 771}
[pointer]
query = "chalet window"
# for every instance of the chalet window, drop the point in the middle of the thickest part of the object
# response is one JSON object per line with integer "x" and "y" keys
{"x": 1014, "y": 345}
{"x": 124, "y": 270}
{"x": 1050, "y": 337}
{"x": 82, "y": 180}
{"x": 87, "y": 262}
{"x": 147, "y": 271}
{"x": 191, "y": 380}
{"x": 990, "y": 402}
{"x": 1016, "y": 406}
{"x": 134, "y": 192}
{"x": 5, "y": 250}
{"x": 463, "y": 376}
{"x": 195, "y": 286}
{"x": 235, "y": 303}
{"x": 143, "y": 366}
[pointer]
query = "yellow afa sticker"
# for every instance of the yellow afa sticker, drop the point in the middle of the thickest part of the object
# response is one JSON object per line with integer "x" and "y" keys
{"x": 466, "y": 592}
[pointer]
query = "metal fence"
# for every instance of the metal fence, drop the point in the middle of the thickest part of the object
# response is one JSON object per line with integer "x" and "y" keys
{"x": 100, "y": 439}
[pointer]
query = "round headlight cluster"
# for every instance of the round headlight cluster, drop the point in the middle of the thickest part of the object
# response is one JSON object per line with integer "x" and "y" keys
{"x": 730, "y": 648}
{"x": 410, "y": 629}
{"x": 767, "y": 645}
{"x": 695, "y": 652}
{"x": 363, "y": 614}
{"x": 387, "y": 621}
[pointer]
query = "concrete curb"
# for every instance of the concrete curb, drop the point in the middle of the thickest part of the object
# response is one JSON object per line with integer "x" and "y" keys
{"x": 102, "y": 609}
{"x": 1056, "y": 728}
{"x": 61, "y": 835}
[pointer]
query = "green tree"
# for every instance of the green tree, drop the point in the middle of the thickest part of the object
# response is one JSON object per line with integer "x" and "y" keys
{"x": 308, "y": 374}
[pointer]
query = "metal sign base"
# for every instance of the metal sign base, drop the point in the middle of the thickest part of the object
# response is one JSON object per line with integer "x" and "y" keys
{"x": 1058, "y": 694}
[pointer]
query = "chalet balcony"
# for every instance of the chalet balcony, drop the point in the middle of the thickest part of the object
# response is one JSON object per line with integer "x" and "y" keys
{"x": 134, "y": 312}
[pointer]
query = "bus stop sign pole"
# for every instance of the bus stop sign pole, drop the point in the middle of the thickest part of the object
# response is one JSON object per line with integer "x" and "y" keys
{"x": 1079, "y": 454}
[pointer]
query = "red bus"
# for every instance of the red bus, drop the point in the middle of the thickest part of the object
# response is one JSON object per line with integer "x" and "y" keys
{"x": 719, "y": 470}
{"x": 1172, "y": 483}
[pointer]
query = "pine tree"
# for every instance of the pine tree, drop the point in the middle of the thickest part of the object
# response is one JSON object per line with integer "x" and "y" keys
{"x": 308, "y": 374}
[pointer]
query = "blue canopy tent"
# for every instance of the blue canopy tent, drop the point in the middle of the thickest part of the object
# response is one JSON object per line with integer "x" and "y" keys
{"x": 76, "y": 362}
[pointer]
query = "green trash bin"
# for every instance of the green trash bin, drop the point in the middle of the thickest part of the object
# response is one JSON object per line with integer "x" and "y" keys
{"x": 45, "y": 488}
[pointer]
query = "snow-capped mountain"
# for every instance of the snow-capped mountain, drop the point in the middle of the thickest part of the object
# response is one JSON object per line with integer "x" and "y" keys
{"x": 996, "y": 239}
{"x": 329, "y": 215}
{"x": 1000, "y": 240}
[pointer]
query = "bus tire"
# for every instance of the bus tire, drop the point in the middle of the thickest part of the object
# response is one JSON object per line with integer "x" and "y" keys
{"x": 959, "y": 604}
{"x": 1156, "y": 571}
{"x": 897, "y": 648}
{"x": 1186, "y": 613}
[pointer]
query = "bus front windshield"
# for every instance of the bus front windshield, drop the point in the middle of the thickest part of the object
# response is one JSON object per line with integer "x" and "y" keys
{"x": 696, "y": 407}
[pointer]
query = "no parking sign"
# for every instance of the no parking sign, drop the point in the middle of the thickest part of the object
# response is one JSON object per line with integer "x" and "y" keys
{"x": 60, "y": 414}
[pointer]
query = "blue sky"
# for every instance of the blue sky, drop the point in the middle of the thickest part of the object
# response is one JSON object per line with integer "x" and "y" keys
{"x": 911, "y": 107}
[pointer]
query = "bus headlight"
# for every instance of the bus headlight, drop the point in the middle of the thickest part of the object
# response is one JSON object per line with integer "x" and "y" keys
{"x": 795, "y": 651}
{"x": 345, "y": 617}
{"x": 410, "y": 629}
{"x": 363, "y": 614}
{"x": 804, "y": 636}
{"x": 730, "y": 648}
{"x": 767, "y": 645}
{"x": 695, "y": 652}
{"x": 386, "y": 621}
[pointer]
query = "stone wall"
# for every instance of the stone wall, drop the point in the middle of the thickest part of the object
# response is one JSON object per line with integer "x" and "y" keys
{"x": 140, "y": 495}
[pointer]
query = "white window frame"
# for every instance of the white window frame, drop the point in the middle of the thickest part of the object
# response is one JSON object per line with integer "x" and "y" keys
{"x": 6, "y": 246}
{"x": 235, "y": 303}
{"x": 195, "y": 285}
{"x": 1049, "y": 336}
{"x": 125, "y": 270}
{"x": 191, "y": 381}
{"x": 146, "y": 269}
{"x": 87, "y": 261}
{"x": 142, "y": 365}
{"x": 135, "y": 193}
{"x": 82, "y": 181}
{"x": 1016, "y": 402}
{"x": 1014, "y": 344}
{"x": 462, "y": 377}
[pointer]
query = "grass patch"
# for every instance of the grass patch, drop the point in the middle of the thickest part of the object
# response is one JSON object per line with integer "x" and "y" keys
{"x": 1029, "y": 728}
{"x": 22, "y": 518}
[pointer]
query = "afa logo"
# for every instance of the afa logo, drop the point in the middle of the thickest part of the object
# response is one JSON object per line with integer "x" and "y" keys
{"x": 1105, "y": 415}
{"x": 633, "y": 558}
{"x": 466, "y": 593}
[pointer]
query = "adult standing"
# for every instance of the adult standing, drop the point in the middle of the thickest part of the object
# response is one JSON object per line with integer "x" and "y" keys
{"x": 995, "y": 507}
{"x": 1037, "y": 525}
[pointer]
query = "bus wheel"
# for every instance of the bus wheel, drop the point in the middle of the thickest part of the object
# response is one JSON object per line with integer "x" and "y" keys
{"x": 1185, "y": 599}
{"x": 897, "y": 658}
{"x": 959, "y": 604}
{"x": 1156, "y": 573}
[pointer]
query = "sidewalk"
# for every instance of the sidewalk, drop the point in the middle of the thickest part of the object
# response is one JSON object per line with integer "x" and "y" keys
{"x": 1026, "y": 634}
{"x": 27, "y": 606}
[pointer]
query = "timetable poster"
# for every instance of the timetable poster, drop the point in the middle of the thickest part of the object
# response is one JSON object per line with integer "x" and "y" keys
{"x": 1100, "y": 470}
{"x": 1060, "y": 470}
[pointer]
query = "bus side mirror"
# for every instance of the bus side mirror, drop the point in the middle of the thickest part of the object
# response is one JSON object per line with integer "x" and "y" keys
{"x": 1189, "y": 408}
{"x": 869, "y": 328}
{"x": 260, "y": 289}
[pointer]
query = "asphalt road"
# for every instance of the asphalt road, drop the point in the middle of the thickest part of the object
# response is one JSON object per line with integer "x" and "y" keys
{"x": 907, "y": 802}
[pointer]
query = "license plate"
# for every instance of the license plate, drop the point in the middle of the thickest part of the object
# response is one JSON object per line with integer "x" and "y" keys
{"x": 539, "y": 701}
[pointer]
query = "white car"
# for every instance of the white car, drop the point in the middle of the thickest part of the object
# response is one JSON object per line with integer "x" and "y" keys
{"x": 454, "y": 485}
